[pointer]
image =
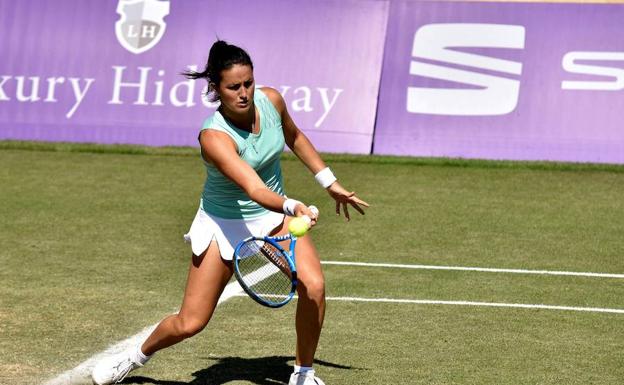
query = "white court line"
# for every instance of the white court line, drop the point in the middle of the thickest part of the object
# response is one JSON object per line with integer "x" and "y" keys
{"x": 487, "y": 304}
{"x": 480, "y": 269}
{"x": 81, "y": 374}
{"x": 469, "y": 303}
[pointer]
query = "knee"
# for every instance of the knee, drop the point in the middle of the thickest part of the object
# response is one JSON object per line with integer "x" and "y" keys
{"x": 314, "y": 288}
{"x": 187, "y": 327}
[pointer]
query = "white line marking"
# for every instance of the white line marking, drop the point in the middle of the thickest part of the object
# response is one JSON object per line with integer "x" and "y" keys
{"x": 469, "y": 303}
{"x": 487, "y": 304}
{"x": 481, "y": 269}
{"x": 81, "y": 374}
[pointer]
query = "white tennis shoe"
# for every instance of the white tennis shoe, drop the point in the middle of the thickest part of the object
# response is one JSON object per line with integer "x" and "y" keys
{"x": 306, "y": 378}
{"x": 114, "y": 369}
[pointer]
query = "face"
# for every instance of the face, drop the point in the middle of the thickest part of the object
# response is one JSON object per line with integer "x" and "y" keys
{"x": 236, "y": 89}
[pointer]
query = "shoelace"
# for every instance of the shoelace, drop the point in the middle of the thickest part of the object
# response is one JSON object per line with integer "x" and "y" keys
{"x": 308, "y": 374}
{"x": 124, "y": 367}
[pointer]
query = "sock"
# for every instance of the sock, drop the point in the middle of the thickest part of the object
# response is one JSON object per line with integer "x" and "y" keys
{"x": 140, "y": 357}
{"x": 303, "y": 369}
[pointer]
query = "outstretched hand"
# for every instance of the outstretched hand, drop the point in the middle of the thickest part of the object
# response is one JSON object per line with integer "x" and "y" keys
{"x": 345, "y": 198}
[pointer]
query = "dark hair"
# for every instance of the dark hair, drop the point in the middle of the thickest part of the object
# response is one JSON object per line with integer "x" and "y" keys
{"x": 222, "y": 56}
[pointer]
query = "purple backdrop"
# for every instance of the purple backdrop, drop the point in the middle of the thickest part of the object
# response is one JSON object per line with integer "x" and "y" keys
{"x": 76, "y": 70}
{"x": 477, "y": 80}
{"x": 550, "y": 88}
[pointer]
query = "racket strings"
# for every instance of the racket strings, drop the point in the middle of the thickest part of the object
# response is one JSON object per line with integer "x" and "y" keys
{"x": 264, "y": 270}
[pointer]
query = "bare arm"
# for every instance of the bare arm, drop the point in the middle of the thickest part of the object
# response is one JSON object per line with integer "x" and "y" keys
{"x": 220, "y": 150}
{"x": 305, "y": 151}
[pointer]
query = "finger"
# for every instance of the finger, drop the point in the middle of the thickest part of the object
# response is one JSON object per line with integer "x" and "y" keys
{"x": 359, "y": 202}
{"x": 346, "y": 211}
{"x": 358, "y": 208}
{"x": 337, "y": 208}
{"x": 315, "y": 211}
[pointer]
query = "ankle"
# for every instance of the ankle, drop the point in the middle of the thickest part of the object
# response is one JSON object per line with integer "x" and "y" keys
{"x": 302, "y": 369}
{"x": 140, "y": 357}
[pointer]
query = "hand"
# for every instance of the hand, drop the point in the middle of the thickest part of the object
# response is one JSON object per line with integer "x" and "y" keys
{"x": 310, "y": 211}
{"x": 344, "y": 198}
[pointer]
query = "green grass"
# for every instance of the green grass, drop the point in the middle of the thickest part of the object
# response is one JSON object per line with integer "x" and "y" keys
{"x": 342, "y": 158}
{"x": 92, "y": 252}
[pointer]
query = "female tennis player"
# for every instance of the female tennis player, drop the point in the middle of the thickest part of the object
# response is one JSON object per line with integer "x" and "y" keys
{"x": 243, "y": 195}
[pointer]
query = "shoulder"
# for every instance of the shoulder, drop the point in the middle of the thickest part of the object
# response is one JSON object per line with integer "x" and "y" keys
{"x": 275, "y": 97}
{"x": 214, "y": 121}
{"x": 216, "y": 141}
{"x": 215, "y": 129}
{"x": 212, "y": 135}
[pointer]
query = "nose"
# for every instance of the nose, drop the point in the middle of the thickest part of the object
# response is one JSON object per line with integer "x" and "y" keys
{"x": 243, "y": 93}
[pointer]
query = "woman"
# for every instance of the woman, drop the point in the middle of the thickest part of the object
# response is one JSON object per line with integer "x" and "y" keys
{"x": 243, "y": 194}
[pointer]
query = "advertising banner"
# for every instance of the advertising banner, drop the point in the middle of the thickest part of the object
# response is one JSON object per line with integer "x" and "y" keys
{"x": 520, "y": 81}
{"x": 109, "y": 71}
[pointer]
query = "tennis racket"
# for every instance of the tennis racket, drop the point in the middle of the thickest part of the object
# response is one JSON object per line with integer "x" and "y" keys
{"x": 265, "y": 271}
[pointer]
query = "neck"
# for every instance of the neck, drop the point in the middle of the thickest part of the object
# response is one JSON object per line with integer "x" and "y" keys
{"x": 245, "y": 121}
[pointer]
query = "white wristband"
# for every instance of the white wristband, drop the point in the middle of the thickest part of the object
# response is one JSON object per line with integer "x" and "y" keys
{"x": 289, "y": 206}
{"x": 325, "y": 177}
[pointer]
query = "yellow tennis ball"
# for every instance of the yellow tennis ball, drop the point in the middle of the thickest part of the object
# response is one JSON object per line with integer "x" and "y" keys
{"x": 298, "y": 227}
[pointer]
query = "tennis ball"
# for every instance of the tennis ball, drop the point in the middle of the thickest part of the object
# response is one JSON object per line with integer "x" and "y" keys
{"x": 298, "y": 227}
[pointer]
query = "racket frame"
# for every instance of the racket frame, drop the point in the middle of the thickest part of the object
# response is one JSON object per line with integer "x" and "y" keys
{"x": 290, "y": 259}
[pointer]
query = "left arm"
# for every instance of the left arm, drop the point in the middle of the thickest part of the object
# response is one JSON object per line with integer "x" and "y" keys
{"x": 305, "y": 151}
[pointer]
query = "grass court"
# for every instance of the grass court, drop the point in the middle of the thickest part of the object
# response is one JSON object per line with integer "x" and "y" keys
{"x": 92, "y": 253}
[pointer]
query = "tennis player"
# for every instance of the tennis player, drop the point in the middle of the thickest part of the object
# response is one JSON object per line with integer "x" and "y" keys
{"x": 243, "y": 195}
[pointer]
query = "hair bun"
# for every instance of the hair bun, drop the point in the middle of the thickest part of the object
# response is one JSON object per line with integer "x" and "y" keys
{"x": 218, "y": 47}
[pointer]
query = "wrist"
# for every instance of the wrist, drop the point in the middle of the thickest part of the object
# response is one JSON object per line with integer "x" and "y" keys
{"x": 325, "y": 177}
{"x": 289, "y": 206}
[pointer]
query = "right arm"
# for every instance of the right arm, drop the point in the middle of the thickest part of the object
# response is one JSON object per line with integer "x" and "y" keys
{"x": 219, "y": 149}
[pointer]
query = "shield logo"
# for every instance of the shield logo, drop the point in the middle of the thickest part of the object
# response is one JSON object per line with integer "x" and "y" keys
{"x": 142, "y": 23}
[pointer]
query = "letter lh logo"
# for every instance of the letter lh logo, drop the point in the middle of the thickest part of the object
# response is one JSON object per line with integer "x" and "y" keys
{"x": 495, "y": 96}
{"x": 142, "y": 24}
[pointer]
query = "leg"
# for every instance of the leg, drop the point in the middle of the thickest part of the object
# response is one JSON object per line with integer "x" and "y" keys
{"x": 207, "y": 277}
{"x": 311, "y": 303}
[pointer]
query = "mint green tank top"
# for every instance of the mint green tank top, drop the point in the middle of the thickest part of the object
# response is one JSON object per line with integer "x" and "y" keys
{"x": 222, "y": 197}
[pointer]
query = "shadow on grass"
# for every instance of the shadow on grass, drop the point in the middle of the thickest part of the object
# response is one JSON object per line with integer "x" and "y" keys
{"x": 273, "y": 370}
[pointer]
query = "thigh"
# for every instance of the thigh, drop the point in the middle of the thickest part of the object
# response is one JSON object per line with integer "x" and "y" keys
{"x": 207, "y": 277}
{"x": 307, "y": 259}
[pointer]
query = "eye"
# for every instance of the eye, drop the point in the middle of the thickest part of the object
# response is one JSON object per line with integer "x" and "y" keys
{"x": 233, "y": 87}
{"x": 249, "y": 83}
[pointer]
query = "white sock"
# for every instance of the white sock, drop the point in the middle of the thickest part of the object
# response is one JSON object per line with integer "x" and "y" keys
{"x": 140, "y": 357}
{"x": 303, "y": 369}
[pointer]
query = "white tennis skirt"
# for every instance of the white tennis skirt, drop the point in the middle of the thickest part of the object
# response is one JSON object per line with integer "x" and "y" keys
{"x": 228, "y": 232}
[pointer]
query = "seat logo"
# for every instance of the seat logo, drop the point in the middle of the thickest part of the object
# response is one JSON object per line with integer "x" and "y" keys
{"x": 141, "y": 25}
{"x": 489, "y": 94}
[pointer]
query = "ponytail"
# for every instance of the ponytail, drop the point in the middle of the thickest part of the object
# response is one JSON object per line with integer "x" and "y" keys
{"x": 222, "y": 56}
